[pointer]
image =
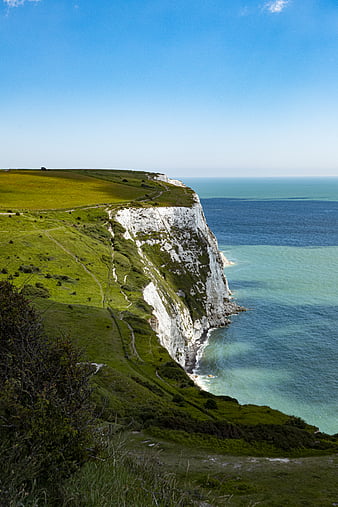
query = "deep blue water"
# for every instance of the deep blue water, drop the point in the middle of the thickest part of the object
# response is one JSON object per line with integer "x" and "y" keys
{"x": 282, "y": 236}
{"x": 276, "y": 222}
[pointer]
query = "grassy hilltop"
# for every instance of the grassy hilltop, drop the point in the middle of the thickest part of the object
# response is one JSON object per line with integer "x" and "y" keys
{"x": 56, "y": 246}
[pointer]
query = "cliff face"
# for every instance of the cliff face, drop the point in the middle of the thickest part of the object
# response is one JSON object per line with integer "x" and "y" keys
{"x": 189, "y": 293}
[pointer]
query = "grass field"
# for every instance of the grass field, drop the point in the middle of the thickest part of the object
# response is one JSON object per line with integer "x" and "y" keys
{"x": 90, "y": 288}
{"x": 145, "y": 471}
{"x": 55, "y": 189}
{"x": 61, "y": 189}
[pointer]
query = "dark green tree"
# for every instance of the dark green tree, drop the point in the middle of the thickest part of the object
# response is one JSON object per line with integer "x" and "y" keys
{"x": 45, "y": 412}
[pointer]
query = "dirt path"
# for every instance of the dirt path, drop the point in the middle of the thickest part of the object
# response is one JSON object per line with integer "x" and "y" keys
{"x": 129, "y": 303}
{"x": 133, "y": 346}
{"x": 60, "y": 245}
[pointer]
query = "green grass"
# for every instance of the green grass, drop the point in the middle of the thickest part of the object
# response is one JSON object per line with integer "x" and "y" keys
{"x": 62, "y": 189}
{"x": 122, "y": 479}
{"x": 222, "y": 478}
{"x": 95, "y": 296}
{"x": 59, "y": 189}
{"x": 74, "y": 265}
{"x": 154, "y": 192}
{"x": 138, "y": 464}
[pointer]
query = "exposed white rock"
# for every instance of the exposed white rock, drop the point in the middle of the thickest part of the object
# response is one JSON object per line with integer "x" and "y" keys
{"x": 97, "y": 366}
{"x": 166, "y": 179}
{"x": 188, "y": 292}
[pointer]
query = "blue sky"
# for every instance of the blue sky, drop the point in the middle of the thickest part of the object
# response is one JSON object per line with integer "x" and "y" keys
{"x": 191, "y": 88}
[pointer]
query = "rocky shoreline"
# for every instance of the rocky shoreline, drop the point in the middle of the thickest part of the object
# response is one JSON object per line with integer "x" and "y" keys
{"x": 195, "y": 354}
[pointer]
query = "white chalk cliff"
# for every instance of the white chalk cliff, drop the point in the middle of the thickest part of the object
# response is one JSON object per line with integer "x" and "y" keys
{"x": 188, "y": 291}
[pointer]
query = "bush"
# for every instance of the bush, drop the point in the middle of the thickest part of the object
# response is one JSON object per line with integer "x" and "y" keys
{"x": 44, "y": 402}
{"x": 177, "y": 398}
{"x": 174, "y": 371}
{"x": 39, "y": 291}
{"x": 210, "y": 404}
{"x": 29, "y": 269}
{"x": 298, "y": 422}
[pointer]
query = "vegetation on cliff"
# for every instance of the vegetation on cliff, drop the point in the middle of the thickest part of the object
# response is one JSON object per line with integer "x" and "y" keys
{"x": 74, "y": 265}
{"x": 45, "y": 416}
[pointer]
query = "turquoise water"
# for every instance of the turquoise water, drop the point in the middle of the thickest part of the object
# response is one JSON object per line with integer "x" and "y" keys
{"x": 266, "y": 188}
{"x": 282, "y": 235}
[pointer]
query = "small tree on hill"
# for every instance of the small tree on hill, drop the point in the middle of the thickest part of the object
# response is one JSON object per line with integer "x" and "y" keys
{"x": 44, "y": 401}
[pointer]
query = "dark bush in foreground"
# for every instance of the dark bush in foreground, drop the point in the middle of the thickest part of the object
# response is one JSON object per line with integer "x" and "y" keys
{"x": 44, "y": 402}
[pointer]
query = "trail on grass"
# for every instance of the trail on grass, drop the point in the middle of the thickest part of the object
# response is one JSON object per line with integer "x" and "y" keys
{"x": 60, "y": 245}
{"x": 133, "y": 341}
{"x": 110, "y": 229}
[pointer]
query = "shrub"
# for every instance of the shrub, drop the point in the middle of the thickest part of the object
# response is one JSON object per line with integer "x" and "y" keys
{"x": 39, "y": 291}
{"x": 29, "y": 269}
{"x": 177, "y": 398}
{"x": 228, "y": 398}
{"x": 148, "y": 385}
{"x": 210, "y": 404}
{"x": 44, "y": 402}
{"x": 173, "y": 371}
{"x": 298, "y": 422}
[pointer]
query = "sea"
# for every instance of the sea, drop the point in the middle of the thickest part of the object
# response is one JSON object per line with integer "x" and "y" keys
{"x": 281, "y": 234}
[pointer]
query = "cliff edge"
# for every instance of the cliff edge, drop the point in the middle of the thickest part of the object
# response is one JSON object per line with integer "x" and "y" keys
{"x": 119, "y": 252}
{"x": 188, "y": 290}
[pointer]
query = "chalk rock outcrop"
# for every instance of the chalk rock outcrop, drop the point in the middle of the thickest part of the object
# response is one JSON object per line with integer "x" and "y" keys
{"x": 188, "y": 291}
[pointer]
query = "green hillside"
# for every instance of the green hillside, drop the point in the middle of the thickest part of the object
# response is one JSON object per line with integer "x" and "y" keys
{"x": 59, "y": 189}
{"x": 57, "y": 247}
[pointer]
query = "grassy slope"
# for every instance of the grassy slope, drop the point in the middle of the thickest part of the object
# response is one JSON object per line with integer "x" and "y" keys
{"x": 58, "y": 189}
{"x": 70, "y": 254}
{"x": 245, "y": 481}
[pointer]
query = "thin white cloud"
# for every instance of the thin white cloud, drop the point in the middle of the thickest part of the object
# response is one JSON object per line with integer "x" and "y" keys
{"x": 276, "y": 5}
{"x": 16, "y": 3}
{"x": 244, "y": 11}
